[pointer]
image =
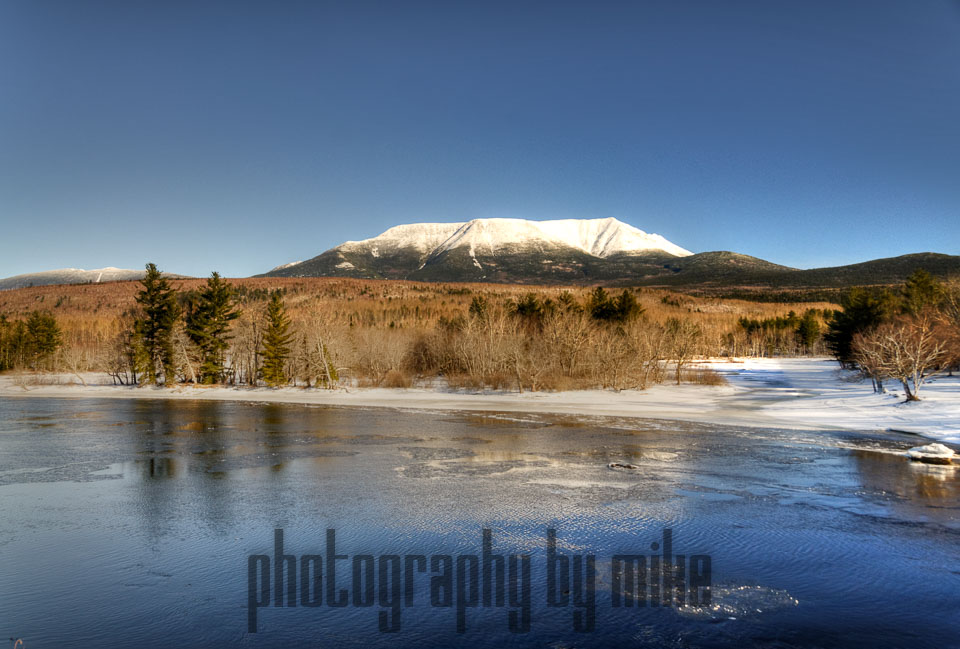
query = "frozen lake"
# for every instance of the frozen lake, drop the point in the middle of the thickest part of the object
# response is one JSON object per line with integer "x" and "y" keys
{"x": 132, "y": 523}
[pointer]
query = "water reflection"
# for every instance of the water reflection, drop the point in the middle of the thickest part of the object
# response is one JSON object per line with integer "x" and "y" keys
{"x": 919, "y": 487}
{"x": 156, "y": 468}
{"x": 195, "y": 487}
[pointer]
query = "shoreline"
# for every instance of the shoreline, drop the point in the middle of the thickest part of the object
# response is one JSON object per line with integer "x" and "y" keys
{"x": 797, "y": 393}
{"x": 629, "y": 404}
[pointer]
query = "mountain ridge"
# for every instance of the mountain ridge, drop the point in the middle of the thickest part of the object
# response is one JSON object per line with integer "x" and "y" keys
{"x": 75, "y": 276}
{"x": 560, "y": 252}
{"x": 485, "y": 250}
{"x": 574, "y": 251}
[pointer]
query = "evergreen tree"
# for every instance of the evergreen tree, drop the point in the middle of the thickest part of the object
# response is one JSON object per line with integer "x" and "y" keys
{"x": 568, "y": 303}
{"x": 276, "y": 342}
{"x": 30, "y": 342}
{"x": 862, "y": 312}
{"x": 43, "y": 335}
{"x": 600, "y": 306}
{"x": 5, "y": 362}
{"x": 529, "y": 310}
{"x": 479, "y": 307}
{"x": 920, "y": 291}
{"x": 154, "y": 329}
{"x": 622, "y": 308}
{"x": 208, "y": 326}
{"x": 808, "y": 331}
{"x": 626, "y": 307}
{"x": 19, "y": 344}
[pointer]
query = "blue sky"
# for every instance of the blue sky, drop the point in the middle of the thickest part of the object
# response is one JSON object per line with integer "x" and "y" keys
{"x": 235, "y": 136}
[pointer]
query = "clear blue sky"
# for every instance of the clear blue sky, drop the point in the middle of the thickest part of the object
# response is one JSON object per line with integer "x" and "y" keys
{"x": 235, "y": 136}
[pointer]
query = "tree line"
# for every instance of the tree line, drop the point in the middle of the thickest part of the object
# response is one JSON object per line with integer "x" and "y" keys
{"x": 526, "y": 343}
{"x": 906, "y": 335}
{"x": 174, "y": 337}
{"x": 32, "y": 342}
{"x": 390, "y": 334}
{"x": 787, "y": 335}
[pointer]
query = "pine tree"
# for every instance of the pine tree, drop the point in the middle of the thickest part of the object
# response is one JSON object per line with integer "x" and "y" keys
{"x": 920, "y": 291}
{"x": 626, "y": 307}
{"x": 863, "y": 311}
{"x": 568, "y": 303}
{"x": 154, "y": 329}
{"x": 5, "y": 355}
{"x": 479, "y": 307}
{"x": 620, "y": 309}
{"x": 808, "y": 331}
{"x": 208, "y": 326}
{"x": 600, "y": 306}
{"x": 276, "y": 342}
{"x": 19, "y": 342}
{"x": 529, "y": 310}
{"x": 44, "y": 336}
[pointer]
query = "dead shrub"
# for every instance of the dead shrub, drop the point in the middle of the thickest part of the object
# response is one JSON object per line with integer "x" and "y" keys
{"x": 396, "y": 379}
{"x": 556, "y": 382}
{"x": 703, "y": 376}
{"x": 463, "y": 381}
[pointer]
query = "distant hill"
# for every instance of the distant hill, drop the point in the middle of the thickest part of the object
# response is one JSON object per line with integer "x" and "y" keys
{"x": 72, "y": 276}
{"x": 727, "y": 269}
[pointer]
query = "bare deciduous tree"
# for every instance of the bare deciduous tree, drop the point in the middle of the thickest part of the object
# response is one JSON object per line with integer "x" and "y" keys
{"x": 684, "y": 337}
{"x": 910, "y": 349}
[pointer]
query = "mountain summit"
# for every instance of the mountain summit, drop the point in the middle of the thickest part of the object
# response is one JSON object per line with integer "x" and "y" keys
{"x": 598, "y": 237}
{"x": 515, "y": 250}
{"x": 580, "y": 251}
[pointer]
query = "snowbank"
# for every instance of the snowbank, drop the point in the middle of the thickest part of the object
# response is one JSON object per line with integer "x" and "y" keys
{"x": 815, "y": 393}
{"x": 931, "y": 454}
{"x": 807, "y": 394}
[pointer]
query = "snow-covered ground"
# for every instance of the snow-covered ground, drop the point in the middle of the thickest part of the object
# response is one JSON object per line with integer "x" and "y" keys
{"x": 807, "y": 394}
{"x": 815, "y": 393}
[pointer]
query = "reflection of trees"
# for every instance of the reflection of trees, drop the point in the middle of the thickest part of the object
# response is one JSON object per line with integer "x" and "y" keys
{"x": 918, "y": 485}
{"x": 209, "y": 462}
{"x": 156, "y": 467}
{"x": 206, "y": 487}
{"x": 176, "y": 444}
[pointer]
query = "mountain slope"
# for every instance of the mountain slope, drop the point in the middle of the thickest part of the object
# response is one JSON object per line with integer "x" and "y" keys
{"x": 726, "y": 269}
{"x": 76, "y": 276}
{"x": 70, "y": 276}
{"x": 581, "y": 252}
{"x": 492, "y": 250}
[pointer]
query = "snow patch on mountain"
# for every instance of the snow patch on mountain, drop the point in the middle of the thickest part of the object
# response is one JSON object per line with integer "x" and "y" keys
{"x": 423, "y": 237}
{"x": 73, "y": 276}
{"x": 598, "y": 237}
{"x": 282, "y": 266}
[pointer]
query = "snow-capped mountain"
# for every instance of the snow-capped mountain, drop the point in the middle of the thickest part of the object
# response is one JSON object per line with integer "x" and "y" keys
{"x": 598, "y": 237}
{"x": 71, "y": 276}
{"x": 515, "y": 250}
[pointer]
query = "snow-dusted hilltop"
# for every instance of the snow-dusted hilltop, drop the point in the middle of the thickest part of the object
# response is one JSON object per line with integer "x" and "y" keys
{"x": 70, "y": 276}
{"x": 598, "y": 237}
{"x": 495, "y": 250}
{"x": 75, "y": 276}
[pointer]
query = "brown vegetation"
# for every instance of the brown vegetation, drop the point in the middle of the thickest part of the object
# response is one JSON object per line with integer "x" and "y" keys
{"x": 915, "y": 335}
{"x": 390, "y": 333}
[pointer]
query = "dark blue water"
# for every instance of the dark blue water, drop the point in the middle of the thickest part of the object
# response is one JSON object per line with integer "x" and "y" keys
{"x": 132, "y": 524}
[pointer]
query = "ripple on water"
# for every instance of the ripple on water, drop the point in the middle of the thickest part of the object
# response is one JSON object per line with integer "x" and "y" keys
{"x": 729, "y": 602}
